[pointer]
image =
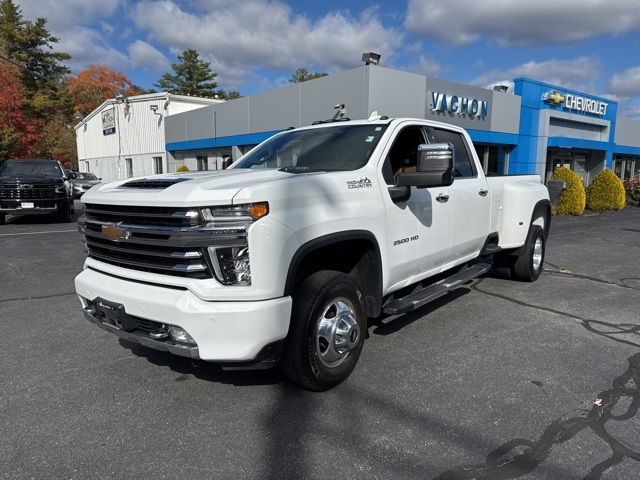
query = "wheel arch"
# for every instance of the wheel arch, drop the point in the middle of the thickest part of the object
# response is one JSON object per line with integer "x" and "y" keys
{"x": 542, "y": 209}
{"x": 355, "y": 252}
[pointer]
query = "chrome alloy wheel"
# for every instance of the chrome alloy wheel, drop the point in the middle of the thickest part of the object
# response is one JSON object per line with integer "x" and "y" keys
{"x": 337, "y": 332}
{"x": 537, "y": 254}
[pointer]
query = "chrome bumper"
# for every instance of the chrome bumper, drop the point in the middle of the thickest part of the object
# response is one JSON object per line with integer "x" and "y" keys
{"x": 142, "y": 339}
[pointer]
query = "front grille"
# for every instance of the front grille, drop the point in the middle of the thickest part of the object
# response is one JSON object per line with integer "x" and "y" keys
{"x": 150, "y": 239}
{"x": 26, "y": 192}
{"x": 143, "y": 215}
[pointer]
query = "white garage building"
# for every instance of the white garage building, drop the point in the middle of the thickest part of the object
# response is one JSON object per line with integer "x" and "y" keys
{"x": 125, "y": 137}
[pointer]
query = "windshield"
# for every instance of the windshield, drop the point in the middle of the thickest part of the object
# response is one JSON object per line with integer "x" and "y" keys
{"x": 26, "y": 167}
{"x": 85, "y": 176}
{"x": 340, "y": 147}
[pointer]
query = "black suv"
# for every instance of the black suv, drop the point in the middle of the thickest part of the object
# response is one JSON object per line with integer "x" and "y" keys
{"x": 35, "y": 186}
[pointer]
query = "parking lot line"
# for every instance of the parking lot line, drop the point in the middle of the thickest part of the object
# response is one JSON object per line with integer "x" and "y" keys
{"x": 37, "y": 233}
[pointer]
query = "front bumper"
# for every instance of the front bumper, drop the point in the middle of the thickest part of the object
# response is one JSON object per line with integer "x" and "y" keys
{"x": 28, "y": 211}
{"x": 40, "y": 206}
{"x": 223, "y": 331}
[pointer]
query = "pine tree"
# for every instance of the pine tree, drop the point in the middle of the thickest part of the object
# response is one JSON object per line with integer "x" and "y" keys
{"x": 30, "y": 44}
{"x": 191, "y": 76}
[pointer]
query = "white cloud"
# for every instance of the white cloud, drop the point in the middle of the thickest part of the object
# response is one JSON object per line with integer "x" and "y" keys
{"x": 521, "y": 22}
{"x": 578, "y": 73}
{"x": 65, "y": 14}
{"x": 427, "y": 66}
{"x": 68, "y": 20}
{"x": 239, "y": 37}
{"x": 626, "y": 83}
{"x": 144, "y": 55}
{"x": 87, "y": 46}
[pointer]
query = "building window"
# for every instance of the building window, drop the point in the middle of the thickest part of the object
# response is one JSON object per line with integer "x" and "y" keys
{"x": 86, "y": 166}
{"x": 129, "y": 165}
{"x": 203, "y": 162}
{"x": 626, "y": 167}
{"x": 157, "y": 165}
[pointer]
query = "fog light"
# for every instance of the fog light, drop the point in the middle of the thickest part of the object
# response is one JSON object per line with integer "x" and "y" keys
{"x": 231, "y": 265}
{"x": 179, "y": 335}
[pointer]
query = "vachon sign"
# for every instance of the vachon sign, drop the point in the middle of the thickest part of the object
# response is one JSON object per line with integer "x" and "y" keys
{"x": 441, "y": 102}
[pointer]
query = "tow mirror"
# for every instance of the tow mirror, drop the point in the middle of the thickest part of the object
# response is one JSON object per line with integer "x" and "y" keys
{"x": 226, "y": 162}
{"x": 434, "y": 167}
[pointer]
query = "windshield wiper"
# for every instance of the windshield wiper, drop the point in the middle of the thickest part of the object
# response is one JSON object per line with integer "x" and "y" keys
{"x": 300, "y": 169}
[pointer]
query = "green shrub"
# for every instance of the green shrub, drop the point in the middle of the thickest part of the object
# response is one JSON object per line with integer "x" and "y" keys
{"x": 606, "y": 192}
{"x": 572, "y": 200}
{"x": 182, "y": 168}
{"x": 632, "y": 187}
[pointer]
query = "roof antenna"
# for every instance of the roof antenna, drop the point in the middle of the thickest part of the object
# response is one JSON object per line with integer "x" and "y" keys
{"x": 341, "y": 111}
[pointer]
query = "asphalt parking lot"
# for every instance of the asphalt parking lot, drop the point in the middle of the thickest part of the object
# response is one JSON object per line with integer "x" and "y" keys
{"x": 494, "y": 381}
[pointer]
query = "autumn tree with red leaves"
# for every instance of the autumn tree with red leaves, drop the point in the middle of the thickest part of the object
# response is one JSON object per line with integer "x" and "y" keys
{"x": 18, "y": 135}
{"x": 95, "y": 84}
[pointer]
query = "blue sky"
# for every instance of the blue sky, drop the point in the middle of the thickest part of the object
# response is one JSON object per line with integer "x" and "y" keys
{"x": 254, "y": 45}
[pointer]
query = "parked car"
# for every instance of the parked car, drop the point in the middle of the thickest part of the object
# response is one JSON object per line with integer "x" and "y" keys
{"x": 83, "y": 182}
{"x": 35, "y": 187}
{"x": 282, "y": 257}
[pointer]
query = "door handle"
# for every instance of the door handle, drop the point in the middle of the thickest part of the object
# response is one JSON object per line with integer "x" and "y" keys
{"x": 483, "y": 192}
{"x": 442, "y": 198}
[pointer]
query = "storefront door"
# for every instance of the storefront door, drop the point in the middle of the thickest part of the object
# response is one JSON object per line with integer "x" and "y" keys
{"x": 576, "y": 161}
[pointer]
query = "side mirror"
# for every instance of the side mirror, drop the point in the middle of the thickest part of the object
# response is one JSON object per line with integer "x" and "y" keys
{"x": 99, "y": 178}
{"x": 434, "y": 167}
{"x": 226, "y": 162}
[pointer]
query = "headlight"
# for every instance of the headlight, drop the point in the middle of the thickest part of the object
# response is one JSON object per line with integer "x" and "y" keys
{"x": 231, "y": 262}
{"x": 60, "y": 190}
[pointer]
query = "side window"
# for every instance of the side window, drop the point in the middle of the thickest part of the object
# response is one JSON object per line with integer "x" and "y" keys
{"x": 403, "y": 154}
{"x": 462, "y": 164}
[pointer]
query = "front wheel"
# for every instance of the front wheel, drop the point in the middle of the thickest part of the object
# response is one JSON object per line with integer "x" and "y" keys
{"x": 327, "y": 331}
{"x": 528, "y": 265}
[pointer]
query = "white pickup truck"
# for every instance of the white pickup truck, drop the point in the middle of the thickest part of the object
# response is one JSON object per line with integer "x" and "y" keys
{"x": 282, "y": 258}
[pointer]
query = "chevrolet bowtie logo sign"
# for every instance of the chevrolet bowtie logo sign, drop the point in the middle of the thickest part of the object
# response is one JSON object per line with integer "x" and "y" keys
{"x": 554, "y": 97}
{"x": 115, "y": 234}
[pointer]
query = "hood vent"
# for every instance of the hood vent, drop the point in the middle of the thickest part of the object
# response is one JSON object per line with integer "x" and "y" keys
{"x": 157, "y": 183}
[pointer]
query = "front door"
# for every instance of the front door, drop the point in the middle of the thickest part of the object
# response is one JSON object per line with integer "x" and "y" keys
{"x": 418, "y": 228}
{"x": 470, "y": 198}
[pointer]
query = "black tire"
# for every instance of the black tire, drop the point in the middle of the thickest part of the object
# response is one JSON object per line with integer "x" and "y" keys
{"x": 64, "y": 215}
{"x": 303, "y": 360}
{"x": 3, "y": 219}
{"x": 525, "y": 268}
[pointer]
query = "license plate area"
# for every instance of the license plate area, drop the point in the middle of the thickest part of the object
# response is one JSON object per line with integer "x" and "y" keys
{"x": 27, "y": 205}
{"x": 113, "y": 314}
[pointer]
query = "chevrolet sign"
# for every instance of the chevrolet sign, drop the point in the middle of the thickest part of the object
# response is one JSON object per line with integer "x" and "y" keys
{"x": 575, "y": 102}
{"x": 553, "y": 97}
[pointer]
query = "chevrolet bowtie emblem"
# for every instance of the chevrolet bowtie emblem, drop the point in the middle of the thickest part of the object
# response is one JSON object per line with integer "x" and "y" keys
{"x": 115, "y": 234}
{"x": 554, "y": 97}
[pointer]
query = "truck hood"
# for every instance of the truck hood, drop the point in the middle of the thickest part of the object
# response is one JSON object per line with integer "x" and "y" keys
{"x": 188, "y": 189}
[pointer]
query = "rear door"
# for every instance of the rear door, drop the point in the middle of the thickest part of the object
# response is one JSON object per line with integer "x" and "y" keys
{"x": 418, "y": 228}
{"x": 469, "y": 198}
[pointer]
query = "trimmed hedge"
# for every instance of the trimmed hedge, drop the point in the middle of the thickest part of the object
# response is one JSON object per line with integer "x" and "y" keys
{"x": 182, "y": 168}
{"x": 606, "y": 192}
{"x": 573, "y": 198}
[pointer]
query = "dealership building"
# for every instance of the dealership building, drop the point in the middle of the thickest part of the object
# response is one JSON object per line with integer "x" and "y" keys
{"x": 534, "y": 127}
